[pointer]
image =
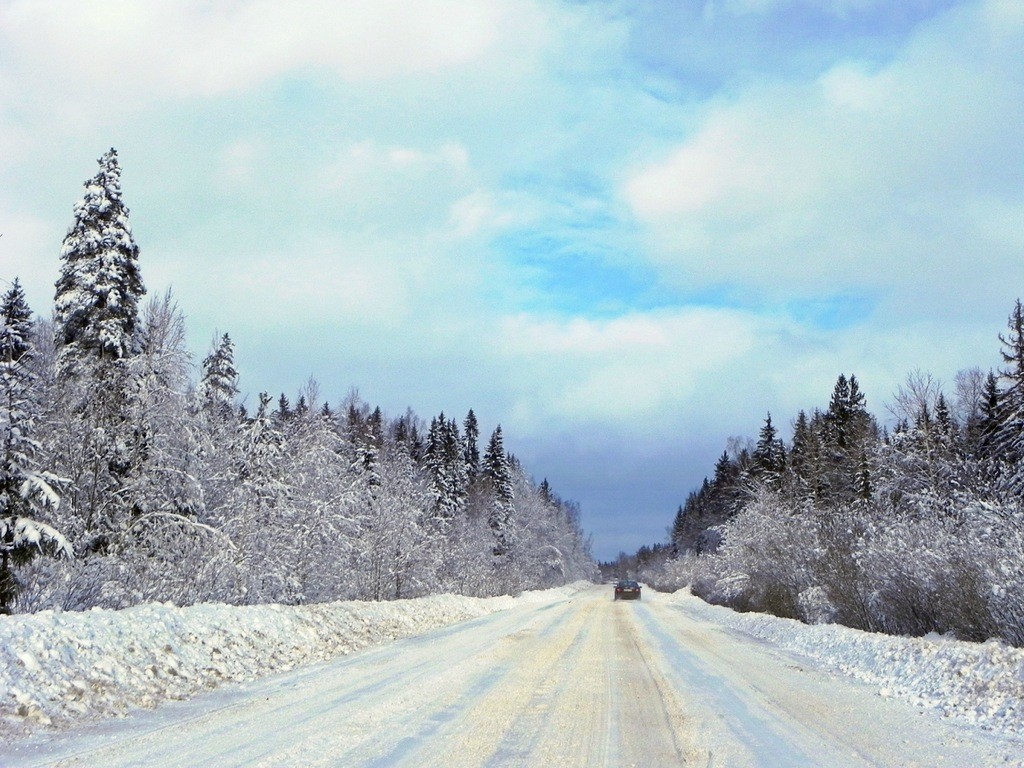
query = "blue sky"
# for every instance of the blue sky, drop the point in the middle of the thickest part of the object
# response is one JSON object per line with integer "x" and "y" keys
{"x": 626, "y": 230}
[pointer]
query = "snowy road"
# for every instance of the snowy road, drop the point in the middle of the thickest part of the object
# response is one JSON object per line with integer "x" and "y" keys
{"x": 573, "y": 682}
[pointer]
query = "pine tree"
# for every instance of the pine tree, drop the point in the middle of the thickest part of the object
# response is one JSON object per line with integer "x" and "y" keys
{"x": 25, "y": 489}
{"x": 99, "y": 288}
{"x": 546, "y": 494}
{"x": 805, "y": 455}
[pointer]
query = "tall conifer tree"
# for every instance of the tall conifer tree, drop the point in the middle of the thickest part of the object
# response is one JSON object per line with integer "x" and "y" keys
{"x": 496, "y": 468}
{"x": 25, "y": 489}
{"x": 1009, "y": 436}
{"x": 219, "y": 385}
{"x": 99, "y": 288}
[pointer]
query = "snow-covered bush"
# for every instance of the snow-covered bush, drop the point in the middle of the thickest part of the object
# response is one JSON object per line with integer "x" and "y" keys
{"x": 765, "y": 561}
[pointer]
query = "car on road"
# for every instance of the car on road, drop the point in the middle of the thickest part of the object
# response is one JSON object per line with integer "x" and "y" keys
{"x": 627, "y": 589}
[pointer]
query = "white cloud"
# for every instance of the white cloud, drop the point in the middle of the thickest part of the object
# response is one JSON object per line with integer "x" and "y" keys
{"x": 211, "y": 48}
{"x": 480, "y": 212}
{"x": 368, "y": 159}
{"x": 864, "y": 179}
{"x": 627, "y": 368}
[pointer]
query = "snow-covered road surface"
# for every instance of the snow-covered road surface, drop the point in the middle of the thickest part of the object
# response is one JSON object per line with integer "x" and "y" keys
{"x": 572, "y": 681}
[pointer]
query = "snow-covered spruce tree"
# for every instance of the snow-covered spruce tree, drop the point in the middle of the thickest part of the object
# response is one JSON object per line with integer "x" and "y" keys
{"x": 99, "y": 288}
{"x": 168, "y": 552}
{"x": 988, "y": 421}
{"x": 769, "y": 457}
{"x": 1009, "y": 435}
{"x": 805, "y": 466}
{"x": 472, "y": 445}
{"x": 218, "y": 387}
{"x": 96, "y": 333}
{"x": 501, "y": 516}
{"x": 677, "y": 533}
{"x": 846, "y": 428}
{"x": 446, "y": 465}
{"x": 26, "y": 490}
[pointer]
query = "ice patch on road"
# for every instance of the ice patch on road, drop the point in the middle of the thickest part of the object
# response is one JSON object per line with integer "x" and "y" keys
{"x": 981, "y": 683}
{"x": 59, "y": 669}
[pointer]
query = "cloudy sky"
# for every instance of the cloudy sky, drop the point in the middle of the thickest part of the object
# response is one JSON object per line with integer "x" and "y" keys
{"x": 625, "y": 229}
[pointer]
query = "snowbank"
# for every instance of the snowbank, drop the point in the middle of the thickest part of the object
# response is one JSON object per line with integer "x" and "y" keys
{"x": 982, "y": 683}
{"x": 57, "y": 669}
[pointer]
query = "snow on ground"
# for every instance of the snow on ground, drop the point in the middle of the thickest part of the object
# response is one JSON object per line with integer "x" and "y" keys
{"x": 59, "y": 669}
{"x": 981, "y": 683}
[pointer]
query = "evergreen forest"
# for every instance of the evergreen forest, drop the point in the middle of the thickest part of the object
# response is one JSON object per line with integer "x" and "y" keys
{"x": 130, "y": 474}
{"x": 910, "y": 527}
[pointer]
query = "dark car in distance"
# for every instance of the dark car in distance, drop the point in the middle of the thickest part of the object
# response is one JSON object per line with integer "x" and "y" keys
{"x": 627, "y": 589}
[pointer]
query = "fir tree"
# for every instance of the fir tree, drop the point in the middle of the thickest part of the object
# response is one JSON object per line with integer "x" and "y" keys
{"x": 472, "y": 440}
{"x": 769, "y": 458}
{"x": 678, "y": 531}
{"x": 1009, "y": 433}
{"x": 446, "y": 464}
{"x": 864, "y": 478}
{"x": 845, "y": 428}
{"x": 284, "y": 408}
{"x": 219, "y": 385}
{"x": 545, "y": 491}
{"x": 988, "y": 426}
{"x": 945, "y": 427}
{"x": 99, "y": 288}
{"x": 496, "y": 469}
{"x": 805, "y": 455}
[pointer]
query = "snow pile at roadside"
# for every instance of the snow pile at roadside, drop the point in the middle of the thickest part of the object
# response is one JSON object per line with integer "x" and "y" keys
{"x": 982, "y": 683}
{"x": 60, "y": 668}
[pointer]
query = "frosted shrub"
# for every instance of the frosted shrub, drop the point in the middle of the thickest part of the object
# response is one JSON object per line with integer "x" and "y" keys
{"x": 671, "y": 575}
{"x": 763, "y": 562}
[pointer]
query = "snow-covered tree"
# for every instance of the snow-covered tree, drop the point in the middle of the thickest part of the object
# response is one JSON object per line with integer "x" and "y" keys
{"x": 99, "y": 288}
{"x": 97, "y": 333}
{"x": 218, "y": 387}
{"x": 472, "y": 445}
{"x": 260, "y": 519}
{"x": 769, "y": 457}
{"x": 502, "y": 511}
{"x": 1009, "y": 436}
{"x": 26, "y": 490}
{"x": 446, "y": 464}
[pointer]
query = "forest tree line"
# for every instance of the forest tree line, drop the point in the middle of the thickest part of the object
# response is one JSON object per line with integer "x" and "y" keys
{"x": 908, "y": 529}
{"x": 141, "y": 478}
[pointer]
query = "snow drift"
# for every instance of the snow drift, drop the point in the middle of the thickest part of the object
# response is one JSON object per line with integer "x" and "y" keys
{"x": 58, "y": 669}
{"x": 981, "y": 683}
